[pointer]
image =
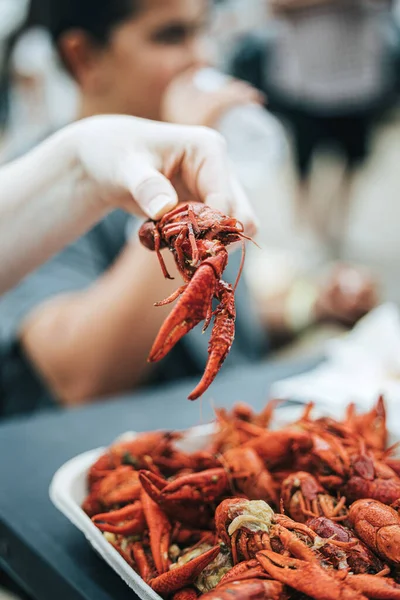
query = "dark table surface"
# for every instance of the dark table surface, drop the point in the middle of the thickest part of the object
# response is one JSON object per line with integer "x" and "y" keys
{"x": 39, "y": 548}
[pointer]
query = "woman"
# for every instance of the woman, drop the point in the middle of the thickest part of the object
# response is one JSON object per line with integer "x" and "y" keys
{"x": 82, "y": 325}
{"x": 325, "y": 73}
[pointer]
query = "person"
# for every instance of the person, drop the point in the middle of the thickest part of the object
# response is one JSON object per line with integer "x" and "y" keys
{"x": 329, "y": 97}
{"x": 88, "y": 182}
{"x": 324, "y": 71}
{"x": 81, "y": 326}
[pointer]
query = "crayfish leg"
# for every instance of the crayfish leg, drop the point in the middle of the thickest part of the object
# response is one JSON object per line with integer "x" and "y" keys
{"x": 306, "y": 577}
{"x": 157, "y": 244}
{"x": 193, "y": 228}
{"x": 238, "y": 276}
{"x": 160, "y": 532}
{"x": 179, "y": 255}
{"x": 172, "y": 297}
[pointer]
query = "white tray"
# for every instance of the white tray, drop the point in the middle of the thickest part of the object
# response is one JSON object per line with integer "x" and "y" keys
{"x": 68, "y": 489}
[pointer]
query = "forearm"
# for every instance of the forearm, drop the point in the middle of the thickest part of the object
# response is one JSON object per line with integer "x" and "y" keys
{"x": 44, "y": 205}
{"x": 96, "y": 343}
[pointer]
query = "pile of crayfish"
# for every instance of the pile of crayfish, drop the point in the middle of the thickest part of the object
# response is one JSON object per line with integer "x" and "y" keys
{"x": 198, "y": 236}
{"x": 311, "y": 510}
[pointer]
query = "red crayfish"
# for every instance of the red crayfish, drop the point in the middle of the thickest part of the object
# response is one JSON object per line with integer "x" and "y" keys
{"x": 197, "y": 236}
{"x": 206, "y": 523}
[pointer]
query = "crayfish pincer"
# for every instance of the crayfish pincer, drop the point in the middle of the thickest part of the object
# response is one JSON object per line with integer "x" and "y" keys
{"x": 197, "y": 235}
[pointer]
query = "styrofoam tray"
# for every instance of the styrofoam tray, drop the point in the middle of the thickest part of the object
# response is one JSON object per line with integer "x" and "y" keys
{"x": 68, "y": 489}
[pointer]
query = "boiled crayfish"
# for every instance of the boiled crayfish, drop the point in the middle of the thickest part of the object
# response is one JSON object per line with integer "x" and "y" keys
{"x": 311, "y": 510}
{"x": 197, "y": 236}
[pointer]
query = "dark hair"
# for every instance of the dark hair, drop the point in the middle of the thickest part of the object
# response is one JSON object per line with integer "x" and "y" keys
{"x": 98, "y": 18}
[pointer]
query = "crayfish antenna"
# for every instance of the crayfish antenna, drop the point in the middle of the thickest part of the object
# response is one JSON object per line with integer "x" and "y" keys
{"x": 238, "y": 276}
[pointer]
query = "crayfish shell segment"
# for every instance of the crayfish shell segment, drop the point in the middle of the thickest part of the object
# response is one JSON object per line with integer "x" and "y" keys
{"x": 257, "y": 515}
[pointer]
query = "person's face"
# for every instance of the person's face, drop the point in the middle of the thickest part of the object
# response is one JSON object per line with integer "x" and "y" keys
{"x": 143, "y": 55}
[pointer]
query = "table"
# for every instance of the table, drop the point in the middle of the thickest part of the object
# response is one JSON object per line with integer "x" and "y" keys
{"x": 39, "y": 548}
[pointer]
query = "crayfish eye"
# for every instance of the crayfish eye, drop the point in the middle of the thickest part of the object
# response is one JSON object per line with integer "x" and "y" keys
{"x": 146, "y": 235}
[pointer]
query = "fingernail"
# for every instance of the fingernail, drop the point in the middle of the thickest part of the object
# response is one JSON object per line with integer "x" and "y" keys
{"x": 160, "y": 205}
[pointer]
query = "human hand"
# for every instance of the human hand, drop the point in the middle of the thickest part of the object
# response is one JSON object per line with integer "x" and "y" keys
{"x": 185, "y": 103}
{"x": 347, "y": 295}
{"x": 144, "y": 166}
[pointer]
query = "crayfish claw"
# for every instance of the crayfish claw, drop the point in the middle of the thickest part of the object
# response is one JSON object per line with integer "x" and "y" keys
{"x": 152, "y": 484}
{"x": 222, "y": 336}
{"x": 160, "y": 532}
{"x": 183, "y": 575}
{"x": 374, "y": 587}
{"x": 191, "y": 308}
{"x": 306, "y": 577}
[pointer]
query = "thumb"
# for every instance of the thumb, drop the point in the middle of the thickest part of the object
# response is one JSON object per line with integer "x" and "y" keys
{"x": 152, "y": 191}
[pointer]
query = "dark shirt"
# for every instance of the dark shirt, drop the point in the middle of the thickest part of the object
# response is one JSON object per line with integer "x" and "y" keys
{"x": 75, "y": 269}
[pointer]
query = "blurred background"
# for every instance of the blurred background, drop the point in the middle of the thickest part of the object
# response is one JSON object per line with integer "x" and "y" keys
{"x": 314, "y": 138}
{"x": 318, "y": 152}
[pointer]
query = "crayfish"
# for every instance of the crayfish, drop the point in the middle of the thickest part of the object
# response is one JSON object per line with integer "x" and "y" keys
{"x": 307, "y": 511}
{"x": 197, "y": 236}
